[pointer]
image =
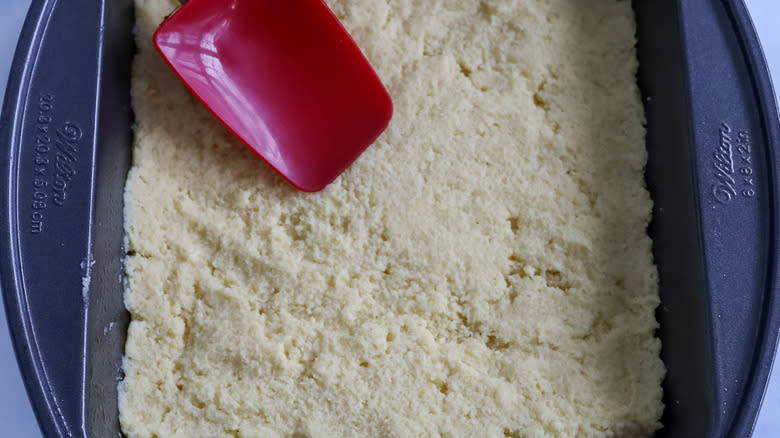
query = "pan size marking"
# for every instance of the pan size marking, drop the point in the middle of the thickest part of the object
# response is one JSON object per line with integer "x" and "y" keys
{"x": 745, "y": 164}
{"x": 40, "y": 169}
{"x": 54, "y": 161}
{"x": 732, "y": 165}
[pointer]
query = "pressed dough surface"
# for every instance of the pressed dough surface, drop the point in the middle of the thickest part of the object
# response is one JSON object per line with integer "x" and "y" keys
{"x": 483, "y": 270}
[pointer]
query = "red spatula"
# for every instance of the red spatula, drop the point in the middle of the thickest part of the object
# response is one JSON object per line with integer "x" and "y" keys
{"x": 284, "y": 76}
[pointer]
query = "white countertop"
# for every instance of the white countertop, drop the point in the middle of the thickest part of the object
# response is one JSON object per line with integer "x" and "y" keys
{"x": 16, "y": 417}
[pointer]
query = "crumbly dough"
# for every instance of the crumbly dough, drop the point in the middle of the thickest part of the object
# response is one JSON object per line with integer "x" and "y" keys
{"x": 483, "y": 270}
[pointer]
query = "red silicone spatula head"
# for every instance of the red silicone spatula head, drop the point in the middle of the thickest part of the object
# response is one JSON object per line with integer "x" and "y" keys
{"x": 284, "y": 76}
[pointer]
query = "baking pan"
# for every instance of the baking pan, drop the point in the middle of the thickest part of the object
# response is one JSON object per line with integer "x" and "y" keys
{"x": 712, "y": 140}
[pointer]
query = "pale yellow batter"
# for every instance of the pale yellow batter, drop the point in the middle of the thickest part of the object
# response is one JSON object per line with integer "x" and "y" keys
{"x": 483, "y": 270}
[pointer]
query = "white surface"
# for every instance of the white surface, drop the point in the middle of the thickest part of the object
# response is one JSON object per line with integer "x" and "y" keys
{"x": 16, "y": 417}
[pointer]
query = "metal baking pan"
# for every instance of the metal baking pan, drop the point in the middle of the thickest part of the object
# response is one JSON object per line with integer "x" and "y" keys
{"x": 713, "y": 141}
